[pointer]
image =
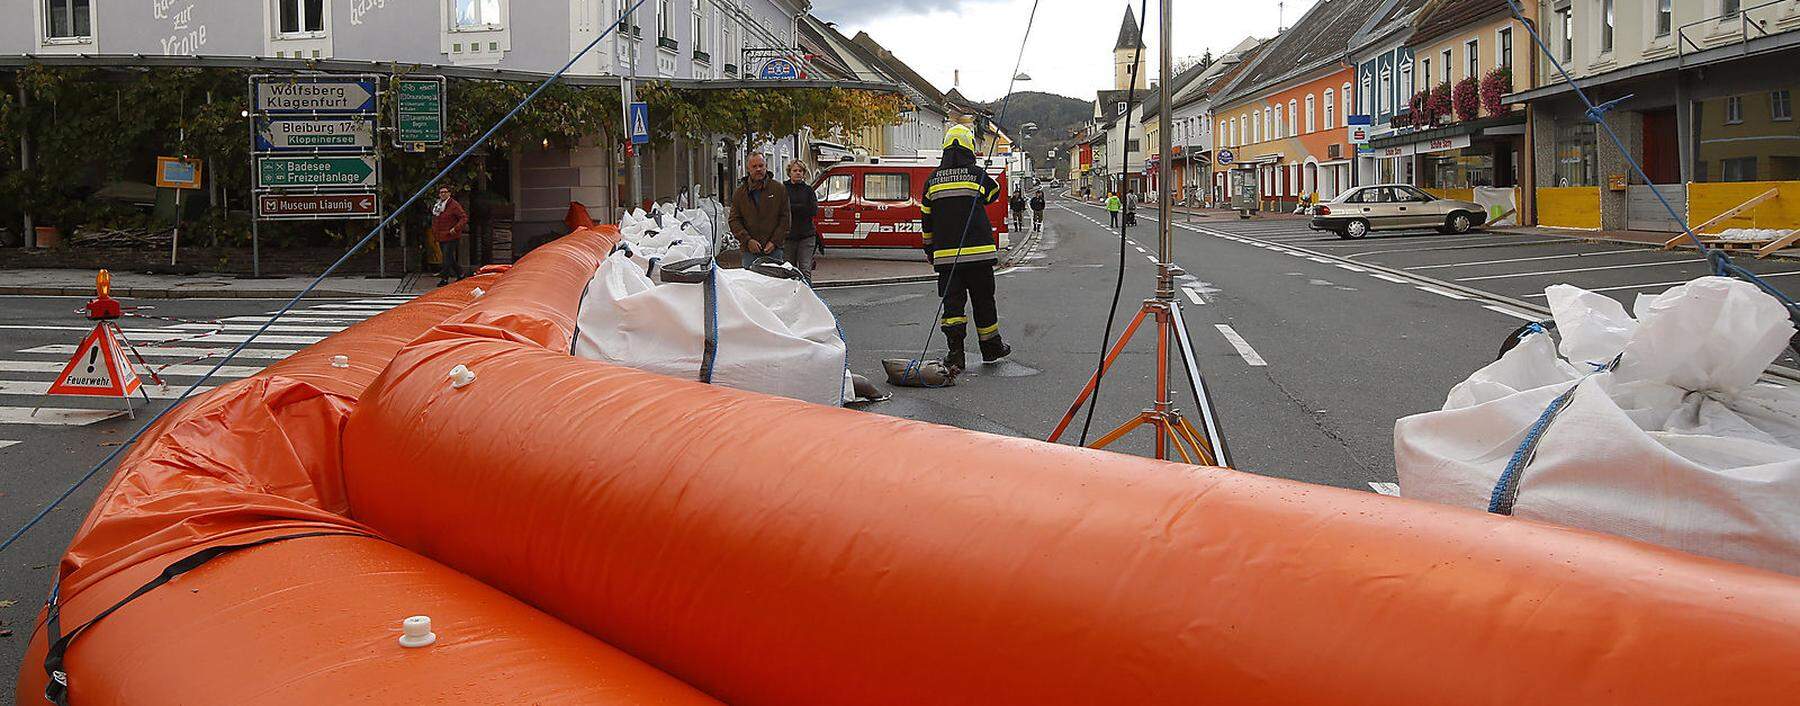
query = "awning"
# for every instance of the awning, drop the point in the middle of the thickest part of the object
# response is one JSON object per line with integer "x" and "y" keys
{"x": 1454, "y": 132}
{"x": 831, "y": 151}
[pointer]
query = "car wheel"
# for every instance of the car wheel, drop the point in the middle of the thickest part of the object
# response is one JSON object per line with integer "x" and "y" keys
{"x": 1355, "y": 229}
{"x": 1458, "y": 223}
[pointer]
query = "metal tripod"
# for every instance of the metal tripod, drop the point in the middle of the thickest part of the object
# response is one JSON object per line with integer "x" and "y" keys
{"x": 1204, "y": 444}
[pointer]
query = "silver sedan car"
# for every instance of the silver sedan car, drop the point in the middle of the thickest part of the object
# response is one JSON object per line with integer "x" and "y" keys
{"x": 1354, "y": 213}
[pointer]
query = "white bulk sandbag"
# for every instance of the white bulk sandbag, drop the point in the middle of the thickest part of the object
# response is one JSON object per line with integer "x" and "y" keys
{"x": 775, "y": 335}
{"x": 1676, "y": 446}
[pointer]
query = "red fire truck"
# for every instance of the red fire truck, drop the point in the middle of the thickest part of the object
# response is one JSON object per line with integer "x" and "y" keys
{"x": 874, "y": 202}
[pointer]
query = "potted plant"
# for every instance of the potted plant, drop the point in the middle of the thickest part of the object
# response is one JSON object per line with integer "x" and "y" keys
{"x": 1494, "y": 88}
{"x": 1441, "y": 106}
{"x": 1466, "y": 99}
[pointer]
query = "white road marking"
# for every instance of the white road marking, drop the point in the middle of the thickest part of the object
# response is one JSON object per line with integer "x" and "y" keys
{"x": 1243, "y": 347}
{"x": 1511, "y": 275}
{"x": 1477, "y": 263}
{"x": 28, "y": 387}
{"x": 57, "y": 416}
{"x": 177, "y": 352}
{"x": 1663, "y": 284}
{"x": 4, "y": 443}
{"x": 1439, "y": 292}
{"x": 1388, "y": 278}
{"x": 1386, "y": 488}
{"x": 1194, "y": 296}
{"x": 1509, "y": 312}
{"x": 1351, "y": 268}
{"x": 293, "y": 319}
{"x": 54, "y": 367}
{"x": 377, "y": 307}
{"x": 278, "y": 328}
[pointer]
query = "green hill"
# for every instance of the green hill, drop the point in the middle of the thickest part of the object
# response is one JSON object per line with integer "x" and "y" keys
{"x": 1055, "y": 116}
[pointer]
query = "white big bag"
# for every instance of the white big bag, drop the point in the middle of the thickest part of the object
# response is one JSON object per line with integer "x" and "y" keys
{"x": 773, "y": 335}
{"x": 1677, "y": 444}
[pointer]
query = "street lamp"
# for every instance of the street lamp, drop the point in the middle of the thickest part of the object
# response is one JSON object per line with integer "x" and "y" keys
{"x": 1022, "y": 77}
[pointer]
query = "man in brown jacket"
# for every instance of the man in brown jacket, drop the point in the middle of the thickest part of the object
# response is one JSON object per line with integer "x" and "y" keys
{"x": 759, "y": 214}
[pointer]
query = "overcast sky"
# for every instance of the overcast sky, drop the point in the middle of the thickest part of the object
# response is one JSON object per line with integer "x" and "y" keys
{"x": 1070, "y": 50}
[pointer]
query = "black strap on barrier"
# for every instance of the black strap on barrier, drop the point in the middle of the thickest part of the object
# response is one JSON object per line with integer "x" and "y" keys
{"x": 711, "y": 356}
{"x": 57, "y": 690}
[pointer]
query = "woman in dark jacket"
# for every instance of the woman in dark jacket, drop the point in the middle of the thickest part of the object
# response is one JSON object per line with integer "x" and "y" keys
{"x": 803, "y": 234}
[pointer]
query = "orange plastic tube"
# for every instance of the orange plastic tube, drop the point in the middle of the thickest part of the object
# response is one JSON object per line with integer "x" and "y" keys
{"x": 773, "y": 552}
{"x": 306, "y": 621}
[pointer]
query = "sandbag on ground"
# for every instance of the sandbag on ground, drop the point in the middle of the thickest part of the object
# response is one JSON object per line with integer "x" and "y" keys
{"x": 1677, "y": 445}
{"x": 770, "y": 335}
{"x": 873, "y": 560}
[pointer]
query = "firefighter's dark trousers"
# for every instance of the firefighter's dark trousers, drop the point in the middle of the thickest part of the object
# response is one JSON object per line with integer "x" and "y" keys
{"x": 965, "y": 283}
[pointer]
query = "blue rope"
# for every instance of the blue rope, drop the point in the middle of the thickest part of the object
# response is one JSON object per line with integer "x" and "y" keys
{"x": 1596, "y": 112}
{"x": 1500, "y": 502}
{"x": 360, "y": 244}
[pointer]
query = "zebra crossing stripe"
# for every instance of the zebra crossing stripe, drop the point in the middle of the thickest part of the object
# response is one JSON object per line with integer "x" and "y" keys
{"x": 56, "y": 416}
{"x": 28, "y": 387}
{"x": 52, "y": 367}
{"x": 177, "y": 352}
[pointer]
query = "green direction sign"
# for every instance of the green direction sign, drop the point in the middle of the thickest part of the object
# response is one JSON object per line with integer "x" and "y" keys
{"x": 276, "y": 172}
{"x": 420, "y": 110}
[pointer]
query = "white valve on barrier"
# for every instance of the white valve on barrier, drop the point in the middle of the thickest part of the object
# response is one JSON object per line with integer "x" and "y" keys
{"x": 340, "y": 361}
{"x": 461, "y": 376}
{"x": 416, "y": 631}
{"x": 478, "y": 292}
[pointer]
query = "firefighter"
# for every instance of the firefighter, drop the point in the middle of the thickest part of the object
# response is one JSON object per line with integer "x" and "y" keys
{"x": 960, "y": 243}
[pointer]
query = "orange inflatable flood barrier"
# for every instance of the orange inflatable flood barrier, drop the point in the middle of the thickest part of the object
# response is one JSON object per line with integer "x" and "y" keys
{"x": 587, "y": 534}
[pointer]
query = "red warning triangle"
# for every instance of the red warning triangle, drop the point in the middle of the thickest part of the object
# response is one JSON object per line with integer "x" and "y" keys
{"x": 99, "y": 369}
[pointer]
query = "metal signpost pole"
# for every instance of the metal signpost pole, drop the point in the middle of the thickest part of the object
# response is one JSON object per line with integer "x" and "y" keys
{"x": 1165, "y": 284}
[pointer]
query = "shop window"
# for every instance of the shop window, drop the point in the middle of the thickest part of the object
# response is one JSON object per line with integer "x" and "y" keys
{"x": 887, "y": 187}
{"x": 835, "y": 189}
{"x": 1577, "y": 163}
{"x": 1738, "y": 169}
{"x": 67, "y": 19}
{"x": 302, "y": 16}
{"x": 1459, "y": 170}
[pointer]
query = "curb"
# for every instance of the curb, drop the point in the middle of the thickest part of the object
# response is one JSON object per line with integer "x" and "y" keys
{"x": 1576, "y": 236}
{"x": 1014, "y": 256}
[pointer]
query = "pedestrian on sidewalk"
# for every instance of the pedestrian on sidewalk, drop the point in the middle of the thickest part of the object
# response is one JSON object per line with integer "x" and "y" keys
{"x": 1112, "y": 209}
{"x": 448, "y": 221}
{"x": 760, "y": 219}
{"x": 960, "y": 243}
{"x": 803, "y": 233}
{"x": 1037, "y": 211}
{"x": 1017, "y": 202}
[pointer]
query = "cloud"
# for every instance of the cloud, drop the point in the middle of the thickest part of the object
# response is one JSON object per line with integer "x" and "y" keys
{"x": 856, "y": 12}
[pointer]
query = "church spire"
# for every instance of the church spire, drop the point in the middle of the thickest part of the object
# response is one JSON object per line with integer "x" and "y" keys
{"x": 1131, "y": 36}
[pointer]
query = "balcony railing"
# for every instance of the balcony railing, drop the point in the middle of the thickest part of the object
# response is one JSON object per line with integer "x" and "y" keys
{"x": 1746, "y": 26}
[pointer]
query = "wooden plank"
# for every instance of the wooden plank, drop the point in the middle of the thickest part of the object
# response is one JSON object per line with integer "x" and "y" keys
{"x": 1773, "y": 247}
{"x": 1727, "y": 215}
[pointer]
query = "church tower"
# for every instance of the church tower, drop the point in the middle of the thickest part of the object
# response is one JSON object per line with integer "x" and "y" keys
{"x": 1131, "y": 40}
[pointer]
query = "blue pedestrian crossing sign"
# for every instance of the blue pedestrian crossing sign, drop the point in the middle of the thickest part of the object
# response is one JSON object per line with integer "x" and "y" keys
{"x": 640, "y": 123}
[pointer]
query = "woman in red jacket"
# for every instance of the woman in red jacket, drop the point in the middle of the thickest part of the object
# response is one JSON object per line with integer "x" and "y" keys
{"x": 448, "y": 221}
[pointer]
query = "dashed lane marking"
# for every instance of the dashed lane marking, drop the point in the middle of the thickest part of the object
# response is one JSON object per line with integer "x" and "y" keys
{"x": 1194, "y": 296}
{"x": 1512, "y": 275}
{"x": 1439, "y": 292}
{"x": 1249, "y": 354}
{"x": 4, "y": 443}
{"x": 1386, "y": 488}
{"x": 1388, "y": 278}
{"x": 1510, "y": 312}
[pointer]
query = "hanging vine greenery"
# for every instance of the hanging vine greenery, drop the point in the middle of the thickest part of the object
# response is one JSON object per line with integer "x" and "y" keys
{"x": 94, "y": 128}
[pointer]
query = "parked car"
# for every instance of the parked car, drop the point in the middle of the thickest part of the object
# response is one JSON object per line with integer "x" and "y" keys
{"x": 1354, "y": 213}
{"x": 874, "y": 203}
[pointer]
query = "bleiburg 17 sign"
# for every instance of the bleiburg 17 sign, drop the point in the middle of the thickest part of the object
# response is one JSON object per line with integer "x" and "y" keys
{"x": 287, "y": 134}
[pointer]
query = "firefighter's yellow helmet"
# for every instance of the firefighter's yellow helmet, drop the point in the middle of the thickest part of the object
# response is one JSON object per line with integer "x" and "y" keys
{"x": 960, "y": 135}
